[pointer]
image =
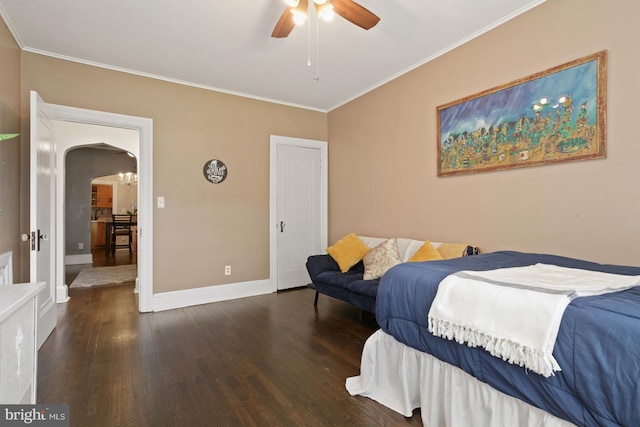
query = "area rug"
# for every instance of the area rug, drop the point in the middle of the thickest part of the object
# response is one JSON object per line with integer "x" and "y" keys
{"x": 101, "y": 276}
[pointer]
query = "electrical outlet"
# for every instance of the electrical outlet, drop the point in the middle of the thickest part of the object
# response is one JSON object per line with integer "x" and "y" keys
{"x": 80, "y": 245}
{"x": 227, "y": 270}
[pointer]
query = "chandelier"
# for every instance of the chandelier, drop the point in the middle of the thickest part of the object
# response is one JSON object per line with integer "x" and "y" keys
{"x": 128, "y": 178}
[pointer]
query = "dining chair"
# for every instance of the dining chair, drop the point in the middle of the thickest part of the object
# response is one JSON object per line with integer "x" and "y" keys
{"x": 120, "y": 226}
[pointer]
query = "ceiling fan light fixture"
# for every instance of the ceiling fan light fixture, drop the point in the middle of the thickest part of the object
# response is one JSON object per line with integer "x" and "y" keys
{"x": 350, "y": 10}
{"x": 326, "y": 12}
{"x": 328, "y": 16}
{"x": 292, "y": 3}
{"x": 299, "y": 14}
{"x": 299, "y": 17}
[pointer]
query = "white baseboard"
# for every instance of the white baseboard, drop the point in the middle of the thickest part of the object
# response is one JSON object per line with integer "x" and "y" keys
{"x": 62, "y": 294}
{"x": 78, "y": 259}
{"x": 206, "y": 295}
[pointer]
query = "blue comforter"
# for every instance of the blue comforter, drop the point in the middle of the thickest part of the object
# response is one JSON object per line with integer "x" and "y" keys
{"x": 598, "y": 345}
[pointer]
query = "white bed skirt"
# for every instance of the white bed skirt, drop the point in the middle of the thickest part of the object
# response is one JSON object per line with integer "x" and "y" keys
{"x": 402, "y": 378}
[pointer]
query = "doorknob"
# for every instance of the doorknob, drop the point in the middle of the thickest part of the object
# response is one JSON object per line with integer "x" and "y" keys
{"x": 281, "y": 226}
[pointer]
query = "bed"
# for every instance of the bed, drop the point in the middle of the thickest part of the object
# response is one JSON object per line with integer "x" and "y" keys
{"x": 404, "y": 366}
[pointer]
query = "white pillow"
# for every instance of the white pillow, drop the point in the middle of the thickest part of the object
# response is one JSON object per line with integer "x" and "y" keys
{"x": 406, "y": 247}
{"x": 380, "y": 259}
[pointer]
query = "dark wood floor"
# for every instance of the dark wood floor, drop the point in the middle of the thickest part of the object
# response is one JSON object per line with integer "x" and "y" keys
{"x": 270, "y": 360}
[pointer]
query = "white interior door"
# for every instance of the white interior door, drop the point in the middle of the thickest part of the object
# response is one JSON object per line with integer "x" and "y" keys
{"x": 299, "y": 228}
{"x": 42, "y": 215}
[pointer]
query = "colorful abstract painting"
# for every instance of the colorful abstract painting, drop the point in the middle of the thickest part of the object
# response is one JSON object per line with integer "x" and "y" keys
{"x": 557, "y": 115}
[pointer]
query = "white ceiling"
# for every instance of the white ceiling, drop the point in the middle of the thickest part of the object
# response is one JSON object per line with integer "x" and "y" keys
{"x": 226, "y": 45}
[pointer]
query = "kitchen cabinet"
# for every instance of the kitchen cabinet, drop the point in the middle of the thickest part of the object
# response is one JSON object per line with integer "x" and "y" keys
{"x": 101, "y": 196}
{"x": 98, "y": 234}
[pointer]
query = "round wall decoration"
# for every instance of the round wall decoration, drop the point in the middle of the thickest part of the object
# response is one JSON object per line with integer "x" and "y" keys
{"x": 215, "y": 171}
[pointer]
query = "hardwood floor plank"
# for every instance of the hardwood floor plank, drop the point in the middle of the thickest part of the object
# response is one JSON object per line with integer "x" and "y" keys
{"x": 269, "y": 360}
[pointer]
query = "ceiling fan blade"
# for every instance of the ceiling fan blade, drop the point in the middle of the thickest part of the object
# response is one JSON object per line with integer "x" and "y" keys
{"x": 354, "y": 13}
{"x": 284, "y": 25}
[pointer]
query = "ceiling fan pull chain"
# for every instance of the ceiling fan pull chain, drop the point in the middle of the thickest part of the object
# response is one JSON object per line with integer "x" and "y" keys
{"x": 317, "y": 78}
{"x": 309, "y": 44}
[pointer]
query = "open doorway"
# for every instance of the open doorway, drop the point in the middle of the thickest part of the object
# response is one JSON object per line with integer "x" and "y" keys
{"x": 114, "y": 195}
{"x": 142, "y": 148}
{"x": 100, "y": 182}
{"x": 93, "y": 192}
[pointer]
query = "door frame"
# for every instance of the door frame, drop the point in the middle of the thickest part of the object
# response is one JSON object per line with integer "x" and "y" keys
{"x": 275, "y": 141}
{"x": 144, "y": 126}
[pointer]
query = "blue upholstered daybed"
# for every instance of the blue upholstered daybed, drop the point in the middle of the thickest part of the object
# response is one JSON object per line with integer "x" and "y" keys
{"x": 352, "y": 286}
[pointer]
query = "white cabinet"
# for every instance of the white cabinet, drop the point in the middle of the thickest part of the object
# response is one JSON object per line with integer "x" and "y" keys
{"x": 18, "y": 352}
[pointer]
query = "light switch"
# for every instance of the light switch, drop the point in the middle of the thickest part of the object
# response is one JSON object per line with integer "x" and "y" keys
{"x": 160, "y": 202}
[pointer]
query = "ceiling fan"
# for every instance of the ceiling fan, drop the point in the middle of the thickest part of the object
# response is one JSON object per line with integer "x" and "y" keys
{"x": 296, "y": 13}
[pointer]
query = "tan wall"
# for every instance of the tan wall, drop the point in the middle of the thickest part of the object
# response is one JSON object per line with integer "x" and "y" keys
{"x": 204, "y": 226}
{"x": 383, "y": 147}
{"x": 10, "y": 149}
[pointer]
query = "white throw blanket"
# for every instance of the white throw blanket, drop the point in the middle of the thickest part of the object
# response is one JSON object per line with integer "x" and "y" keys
{"x": 515, "y": 313}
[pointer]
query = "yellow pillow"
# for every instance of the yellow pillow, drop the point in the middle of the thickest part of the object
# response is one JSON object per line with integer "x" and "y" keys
{"x": 348, "y": 251}
{"x": 452, "y": 250}
{"x": 426, "y": 253}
